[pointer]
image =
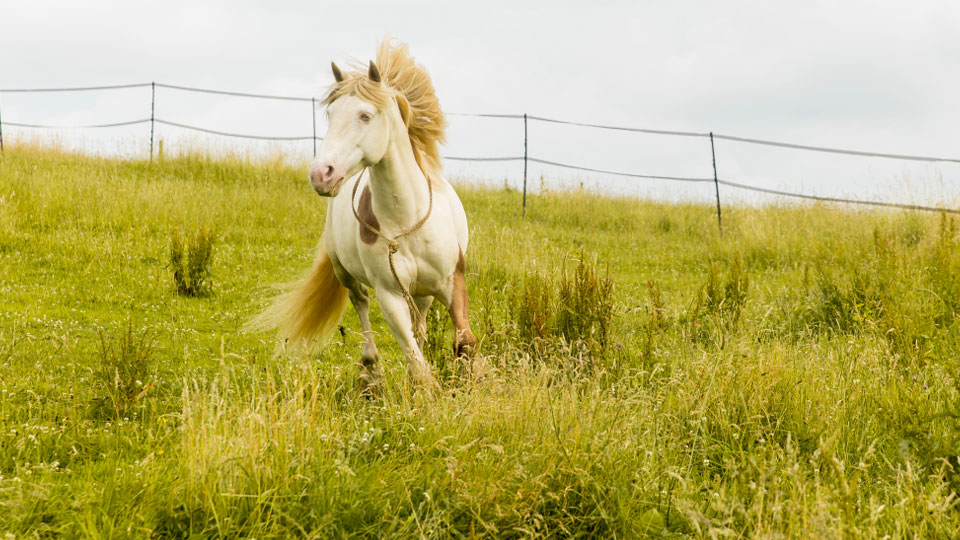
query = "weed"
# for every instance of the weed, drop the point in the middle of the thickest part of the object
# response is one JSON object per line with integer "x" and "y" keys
{"x": 585, "y": 305}
{"x": 721, "y": 300}
{"x": 927, "y": 434}
{"x": 437, "y": 348}
{"x": 725, "y": 298}
{"x": 653, "y": 327}
{"x": 125, "y": 374}
{"x": 576, "y": 307}
{"x": 664, "y": 225}
{"x": 191, "y": 261}
{"x": 944, "y": 269}
{"x": 911, "y": 230}
{"x": 532, "y": 307}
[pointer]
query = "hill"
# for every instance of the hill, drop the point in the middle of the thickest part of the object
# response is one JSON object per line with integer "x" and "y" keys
{"x": 638, "y": 374}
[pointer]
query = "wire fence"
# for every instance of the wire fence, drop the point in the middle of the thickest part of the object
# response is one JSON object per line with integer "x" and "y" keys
{"x": 154, "y": 120}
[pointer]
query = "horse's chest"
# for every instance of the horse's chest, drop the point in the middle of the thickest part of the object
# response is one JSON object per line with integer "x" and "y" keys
{"x": 369, "y": 223}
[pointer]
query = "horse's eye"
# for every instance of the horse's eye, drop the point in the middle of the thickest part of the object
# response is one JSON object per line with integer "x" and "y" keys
{"x": 365, "y": 117}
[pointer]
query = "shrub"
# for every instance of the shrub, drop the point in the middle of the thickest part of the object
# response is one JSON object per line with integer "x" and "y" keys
{"x": 437, "y": 346}
{"x": 576, "y": 307}
{"x": 907, "y": 292}
{"x": 532, "y": 307}
{"x": 191, "y": 261}
{"x": 944, "y": 269}
{"x": 721, "y": 299}
{"x": 585, "y": 305}
{"x": 125, "y": 372}
{"x": 654, "y": 325}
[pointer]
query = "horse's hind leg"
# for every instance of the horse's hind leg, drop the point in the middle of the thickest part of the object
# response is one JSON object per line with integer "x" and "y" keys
{"x": 370, "y": 375}
{"x": 458, "y": 304}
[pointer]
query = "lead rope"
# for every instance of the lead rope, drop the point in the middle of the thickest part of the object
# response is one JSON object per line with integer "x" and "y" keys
{"x": 393, "y": 246}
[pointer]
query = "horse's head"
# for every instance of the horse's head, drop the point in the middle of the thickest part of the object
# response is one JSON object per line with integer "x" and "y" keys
{"x": 359, "y": 132}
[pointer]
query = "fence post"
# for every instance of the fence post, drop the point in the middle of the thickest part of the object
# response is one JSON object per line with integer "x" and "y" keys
{"x": 153, "y": 96}
{"x": 313, "y": 116}
{"x": 716, "y": 183}
{"x": 524, "y": 211}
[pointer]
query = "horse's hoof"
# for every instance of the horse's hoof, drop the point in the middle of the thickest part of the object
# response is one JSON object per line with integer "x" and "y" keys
{"x": 371, "y": 383}
{"x": 465, "y": 346}
{"x": 425, "y": 384}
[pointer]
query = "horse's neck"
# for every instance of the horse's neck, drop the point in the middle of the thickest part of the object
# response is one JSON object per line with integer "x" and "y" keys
{"x": 398, "y": 186}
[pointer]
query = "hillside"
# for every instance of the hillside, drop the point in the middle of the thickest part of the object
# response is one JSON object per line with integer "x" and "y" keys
{"x": 797, "y": 376}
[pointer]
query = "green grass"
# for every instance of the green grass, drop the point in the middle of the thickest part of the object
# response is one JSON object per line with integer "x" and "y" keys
{"x": 795, "y": 378}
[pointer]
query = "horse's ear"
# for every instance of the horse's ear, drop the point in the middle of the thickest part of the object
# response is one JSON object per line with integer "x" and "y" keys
{"x": 336, "y": 72}
{"x": 374, "y": 73}
{"x": 404, "y": 109}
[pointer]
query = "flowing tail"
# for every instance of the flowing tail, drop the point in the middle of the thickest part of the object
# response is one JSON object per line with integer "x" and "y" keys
{"x": 312, "y": 311}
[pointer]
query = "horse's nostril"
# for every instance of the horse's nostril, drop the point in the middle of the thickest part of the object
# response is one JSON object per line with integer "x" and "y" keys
{"x": 328, "y": 171}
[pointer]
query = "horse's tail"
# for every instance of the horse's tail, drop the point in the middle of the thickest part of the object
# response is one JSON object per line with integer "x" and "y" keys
{"x": 310, "y": 312}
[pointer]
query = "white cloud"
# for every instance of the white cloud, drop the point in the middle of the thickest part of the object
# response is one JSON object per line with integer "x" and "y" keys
{"x": 860, "y": 74}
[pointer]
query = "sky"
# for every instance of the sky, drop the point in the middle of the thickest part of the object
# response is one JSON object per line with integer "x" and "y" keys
{"x": 879, "y": 76}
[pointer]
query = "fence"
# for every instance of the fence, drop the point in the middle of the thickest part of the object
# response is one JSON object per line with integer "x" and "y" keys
{"x": 153, "y": 120}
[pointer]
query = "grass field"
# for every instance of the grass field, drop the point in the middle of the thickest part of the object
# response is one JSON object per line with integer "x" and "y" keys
{"x": 795, "y": 378}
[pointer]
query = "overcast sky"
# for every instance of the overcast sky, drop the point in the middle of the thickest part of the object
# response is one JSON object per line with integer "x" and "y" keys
{"x": 872, "y": 75}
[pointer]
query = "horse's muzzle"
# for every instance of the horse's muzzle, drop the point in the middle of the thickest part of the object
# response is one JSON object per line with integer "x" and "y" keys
{"x": 326, "y": 180}
{"x": 328, "y": 191}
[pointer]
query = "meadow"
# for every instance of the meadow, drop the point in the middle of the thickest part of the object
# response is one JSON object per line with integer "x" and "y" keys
{"x": 638, "y": 374}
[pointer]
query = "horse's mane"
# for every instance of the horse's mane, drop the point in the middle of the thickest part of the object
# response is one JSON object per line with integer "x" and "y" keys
{"x": 401, "y": 76}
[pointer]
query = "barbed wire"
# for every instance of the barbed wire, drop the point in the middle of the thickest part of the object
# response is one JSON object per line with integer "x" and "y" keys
{"x": 837, "y": 199}
{"x": 47, "y": 126}
{"x": 484, "y": 115}
{"x": 236, "y": 94}
{"x": 621, "y": 128}
{"x": 75, "y": 88}
{"x": 454, "y": 158}
{"x": 734, "y": 138}
{"x": 631, "y": 175}
{"x": 238, "y": 135}
{"x": 833, "y": 150}
{"x": 526, "y": 158}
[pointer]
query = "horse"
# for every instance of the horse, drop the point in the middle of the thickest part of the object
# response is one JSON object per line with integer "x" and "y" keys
{"x": 405, "y": 236}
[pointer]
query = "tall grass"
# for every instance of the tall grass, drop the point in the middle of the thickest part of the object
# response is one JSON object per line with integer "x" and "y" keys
{"x": 637, "y": 374}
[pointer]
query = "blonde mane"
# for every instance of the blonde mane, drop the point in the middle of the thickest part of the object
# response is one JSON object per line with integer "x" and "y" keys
{"x": 410, "y": 84}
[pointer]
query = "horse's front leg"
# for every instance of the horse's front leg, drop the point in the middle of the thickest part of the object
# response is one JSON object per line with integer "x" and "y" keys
{"x": 396, "y": 311}
{"x": 371, "y": 378}
{"x": 423, "y": 307}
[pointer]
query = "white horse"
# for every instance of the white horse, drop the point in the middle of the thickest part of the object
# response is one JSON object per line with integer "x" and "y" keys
{"x": 393, "y": 222}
